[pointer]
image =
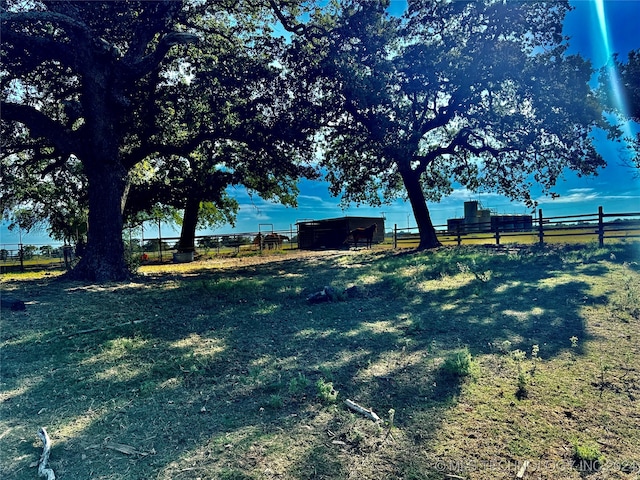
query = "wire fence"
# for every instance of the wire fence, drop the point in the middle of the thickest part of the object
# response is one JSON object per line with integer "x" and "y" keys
{"x": 141, "y": 250}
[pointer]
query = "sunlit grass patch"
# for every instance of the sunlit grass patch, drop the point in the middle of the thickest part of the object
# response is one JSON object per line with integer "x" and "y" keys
{"x": 200, "y": 346}
{"x": 224, "y": 377}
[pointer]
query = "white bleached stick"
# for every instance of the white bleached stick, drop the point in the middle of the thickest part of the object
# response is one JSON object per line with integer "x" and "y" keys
{"x": 43, "y": 471}
{"x": 364, "y": 411}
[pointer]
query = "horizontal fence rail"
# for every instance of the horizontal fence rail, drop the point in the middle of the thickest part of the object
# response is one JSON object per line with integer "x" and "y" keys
{"x": 581, "y": 228}
{"x": 598, "y": 227}
{"x": 22, "y": 257}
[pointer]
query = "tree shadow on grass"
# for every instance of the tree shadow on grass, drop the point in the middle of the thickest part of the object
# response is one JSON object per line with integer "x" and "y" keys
{"x": 226, "y": 362}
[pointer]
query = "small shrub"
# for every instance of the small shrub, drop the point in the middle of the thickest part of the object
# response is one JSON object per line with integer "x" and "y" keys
{"x": 522, "y": 392}
{"x": 505, "y": 346}
{"x": 535, "y": 350}
{"x": 326, "y": 392}
{"x": 275, "y": 402}
{"x": 587, "y": 457}
{"x": 326, "y": 373}
{"x": 133, "y": 262}
{"x": 458, "y": 363}
{"x": 626, "y": 302}
{"x": 518, "y": 355}
{"x": 298, "y": 384}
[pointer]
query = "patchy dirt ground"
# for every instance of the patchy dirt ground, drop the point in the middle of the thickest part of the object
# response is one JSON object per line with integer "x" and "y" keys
{"x": 221, "y": 369}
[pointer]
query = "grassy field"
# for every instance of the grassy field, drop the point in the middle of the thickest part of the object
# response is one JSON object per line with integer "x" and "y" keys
{"x": 477, "y": 360}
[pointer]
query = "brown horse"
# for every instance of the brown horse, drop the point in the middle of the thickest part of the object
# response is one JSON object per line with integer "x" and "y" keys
{"x": 274, "y": 240}
{"x": 363, "y": 233}
{"x": 257, "y": 242}
{"x": 270, "y": 241}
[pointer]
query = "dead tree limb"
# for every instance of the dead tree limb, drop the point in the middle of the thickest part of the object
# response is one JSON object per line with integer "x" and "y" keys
{"x": 364, "y": 411}
{"x": 43, "y": 470}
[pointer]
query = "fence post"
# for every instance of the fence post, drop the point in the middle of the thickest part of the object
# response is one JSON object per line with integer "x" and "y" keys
{"x": 159, "y": 240}
{"x": 395, "y": 236}
{"x": 290, "y": 236}
{"x": 540, "y": 227}
{"x": 458, "y": 237}
{"x": 601, "y": 227}
{"x": 497, "y": 233}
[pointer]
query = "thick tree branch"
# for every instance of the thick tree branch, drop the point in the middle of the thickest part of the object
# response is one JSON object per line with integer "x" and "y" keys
{"x": 443, "y": 115}
{"x": 149, "y": 62}
{"x": 63, "y": 21}
{"x": 289, "y": 26}
{"x": 460, "y": 142}
{"x": 39, "y": 49}
{"x": 310, "y": 32}
{"x": 41, "y": 126}
{"x": 155, "y": 18}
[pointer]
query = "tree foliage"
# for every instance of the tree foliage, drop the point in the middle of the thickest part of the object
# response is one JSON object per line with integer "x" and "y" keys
{"x": 481, "y": 94}
{"x": 113, "y": 84}
{"x": 35, "y": 197}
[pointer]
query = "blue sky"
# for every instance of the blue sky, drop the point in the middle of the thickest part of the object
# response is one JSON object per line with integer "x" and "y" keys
{"x": 615, "y": 188}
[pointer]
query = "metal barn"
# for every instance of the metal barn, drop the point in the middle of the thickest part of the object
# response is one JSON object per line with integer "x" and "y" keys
{"x": 332, "y": 233}
{"x": 482, "y": 220}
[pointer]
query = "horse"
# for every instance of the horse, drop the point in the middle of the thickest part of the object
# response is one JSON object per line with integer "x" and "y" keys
{"x": 258, "y": 241}
{"x": 363, "y": 233}
{"x": 270, "y": 241}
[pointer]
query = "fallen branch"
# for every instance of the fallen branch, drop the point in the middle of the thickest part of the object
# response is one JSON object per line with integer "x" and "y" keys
{"x": 122, "y": 448}
{"x": 126, "y": 449}
{"x": 364, "y": 411}
{"x": 523, "y": 469}
{"x": 43, "y": 471}
{"x": 327, "y": 294}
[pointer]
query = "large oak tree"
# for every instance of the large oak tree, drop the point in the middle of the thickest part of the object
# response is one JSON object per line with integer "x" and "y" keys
{"x": 480, "y": 93}
{"x": 238, "y": 123}
{"x": 100, "y": 82}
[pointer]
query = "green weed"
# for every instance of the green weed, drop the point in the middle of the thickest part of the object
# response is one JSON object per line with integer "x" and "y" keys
{"x": 325, "y": 391}
{"x": 458, "y": 364}
{"x": 298, "y": 384}
{"x": 523, "y": 381}
{"x": 626, "y": 301}
{"x": 275, "y": 402}
{"x": 587, "y": 456}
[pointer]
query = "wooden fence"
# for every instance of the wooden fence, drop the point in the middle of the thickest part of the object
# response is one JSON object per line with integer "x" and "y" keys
{"x": 582, "y": 228}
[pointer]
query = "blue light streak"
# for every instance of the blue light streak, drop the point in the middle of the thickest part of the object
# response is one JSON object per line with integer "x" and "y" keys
{"x": 612, "y": 73}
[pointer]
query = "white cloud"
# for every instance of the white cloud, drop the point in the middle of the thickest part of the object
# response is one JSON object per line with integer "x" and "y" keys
{"x": 580, "y": 190}
{"x": 579, "y": 195}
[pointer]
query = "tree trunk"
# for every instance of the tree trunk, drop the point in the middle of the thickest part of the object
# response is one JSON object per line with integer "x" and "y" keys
{"x": 428, "y": 238}
{"x": 104, "y": 260}
{"x": 187, "y": 241}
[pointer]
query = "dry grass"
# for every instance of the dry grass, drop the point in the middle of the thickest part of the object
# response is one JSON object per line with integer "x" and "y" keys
{"x": 220, "y": 370}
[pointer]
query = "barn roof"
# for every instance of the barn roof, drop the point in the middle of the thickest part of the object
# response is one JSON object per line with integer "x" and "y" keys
{"x": 336, "y": 219}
